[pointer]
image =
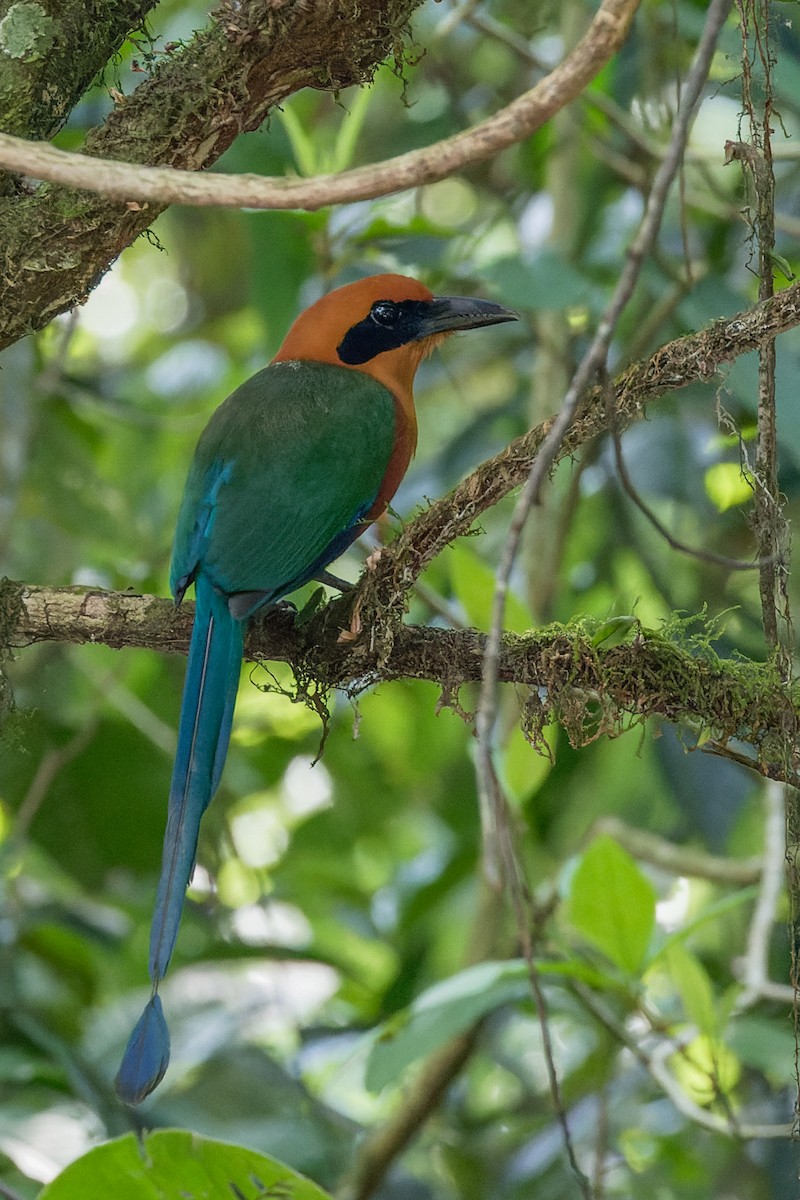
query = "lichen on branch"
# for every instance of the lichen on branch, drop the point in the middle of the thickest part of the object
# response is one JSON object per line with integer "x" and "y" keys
{"x": 590, "y": 689}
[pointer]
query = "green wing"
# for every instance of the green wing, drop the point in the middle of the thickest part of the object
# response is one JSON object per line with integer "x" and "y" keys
{"x": 282, "y": 476}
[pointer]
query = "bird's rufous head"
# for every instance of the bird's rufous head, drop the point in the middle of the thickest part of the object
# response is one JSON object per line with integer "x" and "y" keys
{"x": 384, "y": 326}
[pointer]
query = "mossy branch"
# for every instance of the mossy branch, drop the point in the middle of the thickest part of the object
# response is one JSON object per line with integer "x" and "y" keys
{"x": 518, "y": 120}
{"x": 51, "y": 51}
{"x": 591, "y": 690}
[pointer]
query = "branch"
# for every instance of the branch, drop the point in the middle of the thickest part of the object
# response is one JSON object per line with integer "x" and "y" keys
{"x": 695, "y": 357}
{"x": 592, "y": 365}
{"x": 452, "y": 657}
{"x": 768, "y": 521}
{"x": 753, "y": 969}
{"x": 590, "y": 690}
{"x": 678, "y": 860}
{"x": 384, "y": 1144}
{"x": 655, "y": 1062}
{"x": 123, "y": 181}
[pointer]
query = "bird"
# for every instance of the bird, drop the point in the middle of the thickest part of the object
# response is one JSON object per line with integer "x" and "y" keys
{"x": 289, "y": 470}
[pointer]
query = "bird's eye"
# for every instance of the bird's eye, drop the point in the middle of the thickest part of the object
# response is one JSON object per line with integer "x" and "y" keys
{"x": 383, "y": 313}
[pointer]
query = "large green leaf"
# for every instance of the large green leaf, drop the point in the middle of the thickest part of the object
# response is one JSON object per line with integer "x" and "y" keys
{"x": 440, "y": 1013}
{"x": 612, "y": 904}
{"x": 448, "y": 1008}
{"x": 172, "y": 1163}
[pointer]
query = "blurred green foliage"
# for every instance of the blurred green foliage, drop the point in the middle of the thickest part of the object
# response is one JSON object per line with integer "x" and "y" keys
{"x": 326, "y": 945}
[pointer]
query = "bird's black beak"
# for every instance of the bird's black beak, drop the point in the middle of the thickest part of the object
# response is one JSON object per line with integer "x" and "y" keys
{"x": 446, "y": 314}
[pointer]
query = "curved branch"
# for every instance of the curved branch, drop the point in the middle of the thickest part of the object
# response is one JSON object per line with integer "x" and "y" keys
{"x": 678, "y": 860}
{"x": 684, "y": 688}
{"x": 84, "y": 615}
{"x": 124, "y": 181}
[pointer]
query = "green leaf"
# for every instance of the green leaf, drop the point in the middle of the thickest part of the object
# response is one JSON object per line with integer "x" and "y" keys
{"x": 783, "y": 265}
{"x": 613, "y": 631}
{"x": 767, "y": 1045}
{"x": 727, "y": 485}
{"x": 172, "y": 1163}
{"x": 612, "y": 904}
{"x": 473, "y": 583}
{"x": 440, "y": 1013}
{"x": 344, "y": 148}
{"x": 301, "y": 142}
{"x": 694, "y": 987}
{"x": 706, "y": 1069}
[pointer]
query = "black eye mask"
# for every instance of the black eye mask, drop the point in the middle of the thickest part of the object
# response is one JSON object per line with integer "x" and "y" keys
{"x": 389, "y": 325}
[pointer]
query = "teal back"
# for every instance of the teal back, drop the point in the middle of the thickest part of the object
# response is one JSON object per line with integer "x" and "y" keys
{"x": 282, "y": 476}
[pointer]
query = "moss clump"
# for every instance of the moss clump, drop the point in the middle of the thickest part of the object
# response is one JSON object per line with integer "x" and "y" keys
{"x": 594, "y": 689}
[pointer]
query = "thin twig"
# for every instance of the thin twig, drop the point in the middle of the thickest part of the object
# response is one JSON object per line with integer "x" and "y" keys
{"x": 709, "y": 556}
{"x": 655, "y": 1063}
{"x": 525, "y": 921}
{"x": 383, "y": 1145}
{"x": 165, "y": 185}
{"x": 592, "y": 361}
{"x": 754, "y": 968}
{"x": 768, "y": 521}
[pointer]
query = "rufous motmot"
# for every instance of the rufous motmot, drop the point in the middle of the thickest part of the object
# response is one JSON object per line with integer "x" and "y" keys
{"x": 290, "y": 469}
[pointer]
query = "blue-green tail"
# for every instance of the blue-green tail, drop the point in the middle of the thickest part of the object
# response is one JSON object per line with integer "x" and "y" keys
{"x": 209, "y": 696}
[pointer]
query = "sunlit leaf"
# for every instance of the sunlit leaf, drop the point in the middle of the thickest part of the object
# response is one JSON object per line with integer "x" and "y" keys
{"x": 694, "y": 986}
{"x": 612, "y": 904}
{"x": 727, "y": 485}
{"x": 171, "y": 1162}
{"x": 706, "y": 1069}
